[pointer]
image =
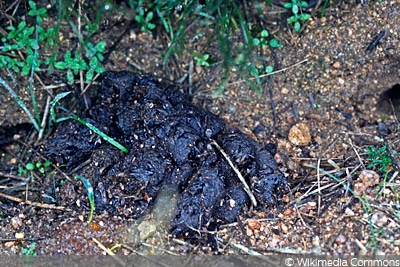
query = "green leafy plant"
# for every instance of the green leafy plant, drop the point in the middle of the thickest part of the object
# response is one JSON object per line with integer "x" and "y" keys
{"x": 29, "y": 255}
{"x": 30, "y": 251}
{"x": 20, "y": 39}
{"x": 145, "y": 20}
{"x": 379, "y": 158}
{"x": 75, "y": 64}
{"x": 90, "y": 193}
{"x": 38, "y": 13}
{"x": 42, "y": 167}
{"x": 28, "y": 40}
{"x": 256, "y": 71}
{"x": 295, "y": 6}
{"x": 226, "y": 17}
{"x": 203, "y": 60}
{"x": 35, "y": 42}
{"x": 263, "y": 41}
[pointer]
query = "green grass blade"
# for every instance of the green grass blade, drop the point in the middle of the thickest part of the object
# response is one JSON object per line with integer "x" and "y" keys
{"x": 54, "y": 102}
{"x": 90, "y": 193}
{"x": 32, "y": 92}
{"x": 100, "y": 133}
{"x": 21, "y": 104}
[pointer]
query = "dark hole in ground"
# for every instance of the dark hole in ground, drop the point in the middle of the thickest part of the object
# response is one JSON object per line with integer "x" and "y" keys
{"x": 393, "y": 93}
{"x": 390, "y": 100}
{"x": 170, "y": 142}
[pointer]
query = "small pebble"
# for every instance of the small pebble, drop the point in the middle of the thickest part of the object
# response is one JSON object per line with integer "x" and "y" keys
{"x": 341, "y": 239}
{"x": 312, "y": 205}
{"x": 253, "y": 224}
{"x": 299, "y": 135}
{"x": 336, "y": 64}
{"x": 19, "y": 235}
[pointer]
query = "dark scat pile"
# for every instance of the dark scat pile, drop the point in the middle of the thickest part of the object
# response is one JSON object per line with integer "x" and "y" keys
{"x": 170, "y": 143}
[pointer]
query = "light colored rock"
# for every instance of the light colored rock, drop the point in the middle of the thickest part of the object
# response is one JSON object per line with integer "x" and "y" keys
{"x": 146, "y": 229}
{"x": 299, "y": 135}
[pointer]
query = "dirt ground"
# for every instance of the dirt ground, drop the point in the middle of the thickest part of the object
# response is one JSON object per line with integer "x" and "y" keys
{"x": 327, "y": 101}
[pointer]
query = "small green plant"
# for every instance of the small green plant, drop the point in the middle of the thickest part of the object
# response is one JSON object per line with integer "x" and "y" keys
{"x": 40, "y": 13}
{"x": 29, "y": 49}
{"x": 75, "y": 64}
{"x": 226, "y": 17}
{"x": 379, "y": 158}
{"x": 30, "y": 39}
{"x": 295, "y": 6}
{"x": 90, "y": 193}
{"x": 145, "y": 20}
{"x": 203, "y": 60}
{"x": 256, "y": 71}
{"x": 30, "y": 251}
{"x": 263, "y": 41}
{"x": 42, "y": 167}
{"x": 28, "y": 254}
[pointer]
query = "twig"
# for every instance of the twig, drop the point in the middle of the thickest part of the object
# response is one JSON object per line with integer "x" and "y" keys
{"x": 295, "y": 112}
{"x": 3, "y": 174}
{"x": 245, "y": 221}
{"x": 90, "y": 83}
{"x": 307, "y": 194}
{"x": 240, "y": 176}
{"x": 361, "y": 246}
{"x": 21, "y": 239}
{"x": 44, "y": 119}
{"x": 245, "y": 249}
{"x": 109, "y": 252}
{"x": 16, "y": 2}
{"x": 312, "y": 101}
{"x": 375, "y": 42}
{"x": 319, "y": 186}
{"x": 241, "y": 226}
{"x": 153, "y": 261}
{"x": 389, "y": 211}
{"x": 289, "y": 251}
{"x": 271, "y": 73}
{"x": 271, "y": 98}
{"x": 159, "y": 248}
{"x": 301, "y": 219}
{"x": 182, "y": 243}
{"x": 389, "y": 181}
{"x": 35, "y": 204}
{"x": 355, "y": 150}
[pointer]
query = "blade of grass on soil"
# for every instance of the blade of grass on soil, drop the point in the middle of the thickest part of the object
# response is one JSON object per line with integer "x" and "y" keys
{"x": 90, "y": 193}
{"x": 21, "y": 104}
{"x": 100, "y": 133}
